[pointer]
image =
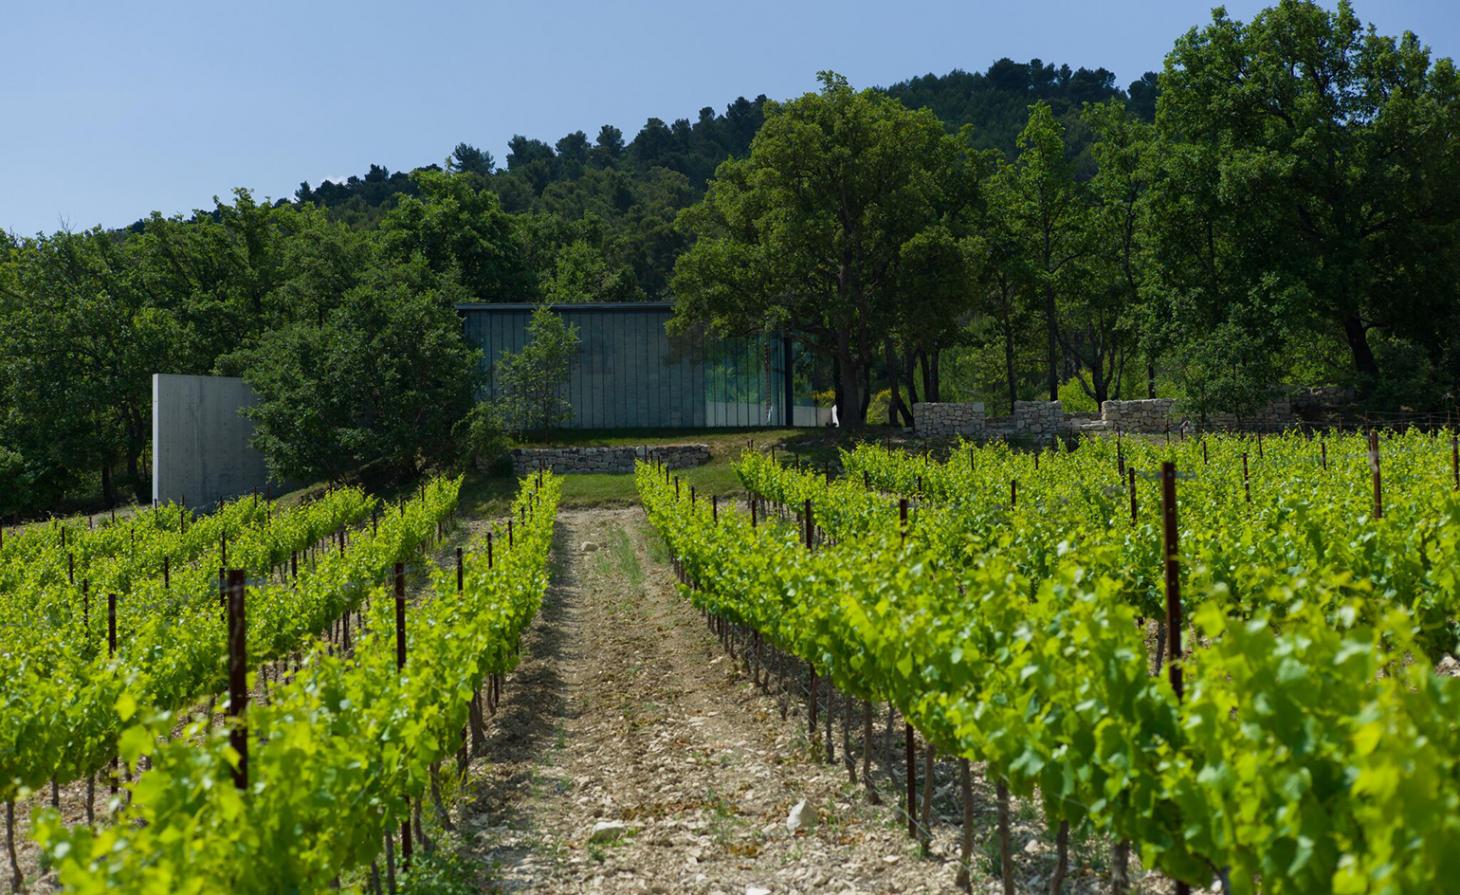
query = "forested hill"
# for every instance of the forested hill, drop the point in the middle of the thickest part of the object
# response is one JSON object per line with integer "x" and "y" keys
{"x": 566, "y": 176}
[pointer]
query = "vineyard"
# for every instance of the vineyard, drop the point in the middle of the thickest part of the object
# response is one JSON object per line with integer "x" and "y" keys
{"x": 339, "y": 700}
{"x": 1222, "y": 664}
{"x": 1220, "y": 654}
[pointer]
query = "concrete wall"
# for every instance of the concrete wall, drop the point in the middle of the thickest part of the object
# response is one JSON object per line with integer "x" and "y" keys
{"x": 200, "y": 441}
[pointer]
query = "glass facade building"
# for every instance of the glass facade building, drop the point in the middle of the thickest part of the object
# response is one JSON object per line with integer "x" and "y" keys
{"x": 629, "y": 374}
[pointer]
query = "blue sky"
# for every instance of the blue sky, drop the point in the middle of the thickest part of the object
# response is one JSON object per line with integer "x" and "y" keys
{"x": 109, "y": 111}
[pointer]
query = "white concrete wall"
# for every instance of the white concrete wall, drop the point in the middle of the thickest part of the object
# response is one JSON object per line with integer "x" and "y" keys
{"x": 200, "y": 441}
{"x": 803, "y": 416}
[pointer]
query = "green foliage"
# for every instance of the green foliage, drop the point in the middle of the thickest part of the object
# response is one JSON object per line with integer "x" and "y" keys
{"x": 64, "y": 694}
{"x": 1299, "y": 164}
{"x": 849, "y": 176}
{"x": 531, "y": 382}
{"x": 386, "y": 379}
{"x": 1291, "y": 215}
{"x": 336, "y": 752}
{"x": 1007, "y": 635}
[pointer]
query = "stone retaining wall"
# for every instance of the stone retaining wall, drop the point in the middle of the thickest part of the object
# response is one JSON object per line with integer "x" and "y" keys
{"x": 1148, "y": 415}
{"x": 606, "y": 459}
{"x": 1039, "y": 421}
{"x": 1043, "y": 421}
{"x": 1275, "y": 415}
{"x": 948, "y": 420}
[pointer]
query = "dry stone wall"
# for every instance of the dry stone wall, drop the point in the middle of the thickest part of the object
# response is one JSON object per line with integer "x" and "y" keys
{"x": 1038, "y": 421}
{"x": 606, "y": 459}
{"x": 1043, "y": 421}
{"x": 1149, "y": 415}
{"x": 948, "y": 420}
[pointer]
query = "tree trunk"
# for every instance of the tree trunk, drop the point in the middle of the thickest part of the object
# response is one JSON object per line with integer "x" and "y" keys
{"x": 850, "y": 390}
{"x": 909, "y": 373}
{"x": 866, "y": 394}
{"x": 1006, "y": 855}
{"x": 1101, "y": 385}
{"x": 1150, "y": 378}
{"x": 1358, "y": 343}
{"x": 1120, "y": 867}
{"x": 965, "y": 852}
{"x": 1009, "y": 365}
{"x": 894, "y": 404}
{"x": 929, "y": 391}
{"x": 142, "y": 490}
{"x": 108, "y": 486}
{"x": 1052, "y": 336}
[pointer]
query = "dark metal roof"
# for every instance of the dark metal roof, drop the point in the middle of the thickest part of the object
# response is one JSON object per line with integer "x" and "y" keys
{"x": 586, "y": 306}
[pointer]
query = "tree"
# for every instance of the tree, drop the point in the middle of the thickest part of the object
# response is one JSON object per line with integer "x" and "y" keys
{"x": 530, "y": 382}
{"x": 1099, "y": 329}
{"x": 467, "y": 159}
{"x": 384, "y": 382}
{"x": 1005, "y": 285}
{"x": 807, "y": 233}
{"x": 1352, "y": 139}
{"x": 461, "y": 229}
{"x": 78, "y": 341}
{"x": 1045, "y": 209}
{"x": 581, "y": 273}
{"x": 608, "y": 147}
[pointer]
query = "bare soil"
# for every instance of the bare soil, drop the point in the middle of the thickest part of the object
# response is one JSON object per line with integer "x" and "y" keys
{"x": 625, "y": 708}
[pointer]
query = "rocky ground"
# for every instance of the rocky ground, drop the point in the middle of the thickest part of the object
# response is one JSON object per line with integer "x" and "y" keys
{"x": 631, "y": 755}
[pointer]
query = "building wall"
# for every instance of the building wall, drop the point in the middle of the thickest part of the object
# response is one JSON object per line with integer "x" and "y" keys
{"x": 628, "y": 374}
{"x": 200, "y": 440}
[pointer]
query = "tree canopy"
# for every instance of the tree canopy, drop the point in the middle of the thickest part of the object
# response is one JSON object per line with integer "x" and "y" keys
{"x": 1279, "y": 206}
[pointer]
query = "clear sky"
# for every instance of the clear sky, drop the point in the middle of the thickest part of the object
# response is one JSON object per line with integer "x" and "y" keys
{"x": 111, "y": 110}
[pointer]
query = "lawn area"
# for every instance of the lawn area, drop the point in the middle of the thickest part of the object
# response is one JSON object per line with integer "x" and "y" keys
{"x": 484, "y": 494}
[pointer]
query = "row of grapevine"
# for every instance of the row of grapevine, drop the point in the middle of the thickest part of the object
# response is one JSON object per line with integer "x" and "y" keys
{"x": 60, "y": 696}
{"x": 1308, "y": 754}
{"x": 1250, "y": 522}
{"x": 337, "y": 755}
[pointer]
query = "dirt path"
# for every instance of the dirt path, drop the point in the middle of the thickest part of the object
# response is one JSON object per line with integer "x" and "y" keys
{"x": 625, "y": 709}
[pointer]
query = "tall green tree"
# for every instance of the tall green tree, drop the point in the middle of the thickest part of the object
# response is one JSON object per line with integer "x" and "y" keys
{"x": 1045, "y": 209}
{"x": 1341, "y": 148}
{"x": 78, "y": 342}
{"x": 807, "y": 233}
{"x": 458, "y": 226}
{"x": 531, "y": 382}
{"x": 1100, "y": 319}
{"x": 383, "y": 382}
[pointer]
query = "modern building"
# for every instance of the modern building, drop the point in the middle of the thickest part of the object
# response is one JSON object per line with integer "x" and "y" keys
{"x": 629, "y": 374}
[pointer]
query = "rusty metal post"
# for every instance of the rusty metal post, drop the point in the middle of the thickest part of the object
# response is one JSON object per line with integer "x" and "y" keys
{"x": 1132, "y": 477}
{"x": 400, "y": 664}
{"x": 237, "y": 675}
{"x": 1374, "y": 473}
{"x": 1173, "y": 593}
{"x": 459, "y": 571}
{"x": 910, "y": 747}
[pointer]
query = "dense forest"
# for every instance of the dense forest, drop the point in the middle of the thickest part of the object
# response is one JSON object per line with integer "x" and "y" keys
{"x": 1278, "y": 206}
